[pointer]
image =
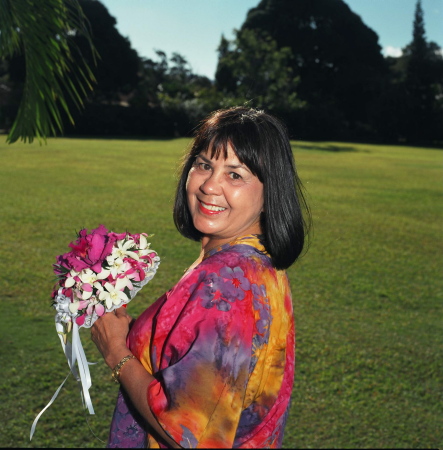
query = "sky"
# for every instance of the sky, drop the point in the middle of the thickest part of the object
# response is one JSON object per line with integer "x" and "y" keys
{"x": 193, "y": 28}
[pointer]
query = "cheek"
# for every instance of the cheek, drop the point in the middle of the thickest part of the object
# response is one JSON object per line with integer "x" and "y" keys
{"x": 259, "y": 205}
{"x": 257, "y": 195}
{"x": 188, "y": 179}
{"x": 191, "y": 183}
{"x": 192, "y": 188}
{"x": 188, "y": 191}
{"x": 250, "y": 200}
{"x": 262, "y": 200}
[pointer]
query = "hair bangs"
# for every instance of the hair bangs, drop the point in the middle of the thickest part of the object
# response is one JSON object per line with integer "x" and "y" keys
{"x": 243, "y": 138}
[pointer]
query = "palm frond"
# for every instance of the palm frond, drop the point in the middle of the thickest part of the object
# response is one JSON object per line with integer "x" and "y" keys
{"x": 42, "y": 31}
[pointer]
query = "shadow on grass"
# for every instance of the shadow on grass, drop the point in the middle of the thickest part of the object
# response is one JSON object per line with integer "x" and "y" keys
{"x": 328, "y": 148}
{"x": 121, "y": 137}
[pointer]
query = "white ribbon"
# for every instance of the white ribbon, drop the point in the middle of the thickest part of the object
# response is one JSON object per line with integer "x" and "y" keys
{"x": 85, "y": 376}
{"x": 34, "y": 424}
{"x": 74, "y": 353}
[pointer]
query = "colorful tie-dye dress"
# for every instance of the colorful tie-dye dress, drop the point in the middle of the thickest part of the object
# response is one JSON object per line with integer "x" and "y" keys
{"x": 220, "y": 345}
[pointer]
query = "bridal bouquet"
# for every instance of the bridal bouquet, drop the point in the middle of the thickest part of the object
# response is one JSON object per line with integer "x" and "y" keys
{"x": 103, "y": 271}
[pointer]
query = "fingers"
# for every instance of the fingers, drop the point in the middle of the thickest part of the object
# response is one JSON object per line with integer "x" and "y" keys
{"x": 121, "y": 312}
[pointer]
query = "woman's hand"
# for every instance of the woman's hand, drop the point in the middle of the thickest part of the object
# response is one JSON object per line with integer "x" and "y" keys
{"x": 109, "y": 334}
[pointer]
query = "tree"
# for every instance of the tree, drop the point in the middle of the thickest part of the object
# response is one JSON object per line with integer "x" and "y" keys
{"x": 43, "y": 33}
{"x": 335, "y": 55}
{"x": 423, "y": 79}
{"x": 224, "y": 77}
{"x": 117, "y": 68}
{"x": 412, "y": 106}
{"x": 181, "y": 93}
{"x": 252, "y": 69}
{"x": 107, "y": 110}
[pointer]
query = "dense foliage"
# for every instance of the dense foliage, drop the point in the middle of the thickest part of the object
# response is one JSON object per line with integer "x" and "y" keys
{"x": 41, "y": 72}
{"x": 416, "y": 89}
{"x": 314, "y": 63}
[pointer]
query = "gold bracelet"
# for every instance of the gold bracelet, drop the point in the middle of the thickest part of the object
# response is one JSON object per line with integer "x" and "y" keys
{"x": 118, "y": 368}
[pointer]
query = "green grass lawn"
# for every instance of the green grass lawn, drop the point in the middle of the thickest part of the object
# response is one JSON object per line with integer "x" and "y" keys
{"x": 367, "y": 295}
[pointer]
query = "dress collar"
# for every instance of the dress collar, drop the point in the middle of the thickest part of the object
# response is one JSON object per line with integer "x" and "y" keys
{"x": 254, "y": 240}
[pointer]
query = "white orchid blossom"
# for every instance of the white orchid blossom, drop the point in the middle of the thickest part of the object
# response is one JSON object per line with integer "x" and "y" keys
{"x": 73, "y": 307}
{"x": 70, "y": 281}
{"x": 90, "y": 277}
{"x": 117, "y": 266}
{"x": 121, "y": 250}
{"x": 144, "y": 246}
{"x": 114, "y": 295}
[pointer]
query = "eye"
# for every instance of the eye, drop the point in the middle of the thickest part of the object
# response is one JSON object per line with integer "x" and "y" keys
{"x": 204, "y": 166}
{"x": 235, "y": 176}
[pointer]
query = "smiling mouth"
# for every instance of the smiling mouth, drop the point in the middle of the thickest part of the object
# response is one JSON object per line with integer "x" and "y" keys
{"x": 211, "y": 209}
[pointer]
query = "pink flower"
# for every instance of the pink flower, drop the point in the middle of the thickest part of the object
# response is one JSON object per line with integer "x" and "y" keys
{"x": 150, "y": 256}
{"x": 70, "y": 261}
{"x": 88, "y": 251}
{"x": 136, "y": 272}
{"x": 118, "y": 236}
{"x": 81, "y": 247}
{"x": 80, "y": 320}
{"x": 98, "y": 307}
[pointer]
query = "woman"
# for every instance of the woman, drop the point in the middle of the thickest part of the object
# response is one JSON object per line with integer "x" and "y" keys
{"x": 211, "y": 363}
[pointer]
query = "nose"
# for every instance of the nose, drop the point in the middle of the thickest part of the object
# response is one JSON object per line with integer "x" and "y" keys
{"x": 212, "y": 184}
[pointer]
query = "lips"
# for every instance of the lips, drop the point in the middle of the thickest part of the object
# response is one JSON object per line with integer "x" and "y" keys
{"x": 207, "y": 208}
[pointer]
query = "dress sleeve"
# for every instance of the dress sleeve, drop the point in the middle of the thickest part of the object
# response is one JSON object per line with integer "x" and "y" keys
{"x": 203, "y": 358}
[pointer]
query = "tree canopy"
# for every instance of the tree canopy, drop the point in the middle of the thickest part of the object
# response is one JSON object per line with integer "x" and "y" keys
{"x": 255, "y": 69}
{"x": 335, "y": 55}
{"x": 411, "y": 107}
{"x": 118, "y": 63}
{"x": 314, "y": 63}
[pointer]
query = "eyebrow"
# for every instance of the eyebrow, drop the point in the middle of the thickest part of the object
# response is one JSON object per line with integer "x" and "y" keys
{"x": 231, "y": 166}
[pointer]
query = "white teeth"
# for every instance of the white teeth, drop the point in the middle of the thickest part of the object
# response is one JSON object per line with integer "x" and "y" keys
{"x": 212, "y": 207}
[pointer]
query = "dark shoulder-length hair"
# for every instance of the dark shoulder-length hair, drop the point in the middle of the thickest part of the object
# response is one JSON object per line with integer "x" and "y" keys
{"x": 261, "y": 142}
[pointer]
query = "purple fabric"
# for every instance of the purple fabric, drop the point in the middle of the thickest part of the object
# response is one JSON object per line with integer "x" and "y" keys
{"x": 127, "y": 429}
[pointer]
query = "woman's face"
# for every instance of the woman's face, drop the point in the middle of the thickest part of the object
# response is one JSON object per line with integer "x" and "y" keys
{"x": 225, "y": 199}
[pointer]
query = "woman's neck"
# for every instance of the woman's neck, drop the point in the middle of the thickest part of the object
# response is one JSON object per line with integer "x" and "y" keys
{"x": 208, "y": 244}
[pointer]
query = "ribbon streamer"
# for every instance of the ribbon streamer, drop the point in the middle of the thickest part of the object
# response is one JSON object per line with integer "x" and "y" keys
{"x": 34, "y": 424}
{"x": 85, "y": 376}
{"x": 74, "y": 353}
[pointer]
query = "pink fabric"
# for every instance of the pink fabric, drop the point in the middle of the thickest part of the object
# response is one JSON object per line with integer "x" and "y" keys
{"x": 220, "y": 345}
